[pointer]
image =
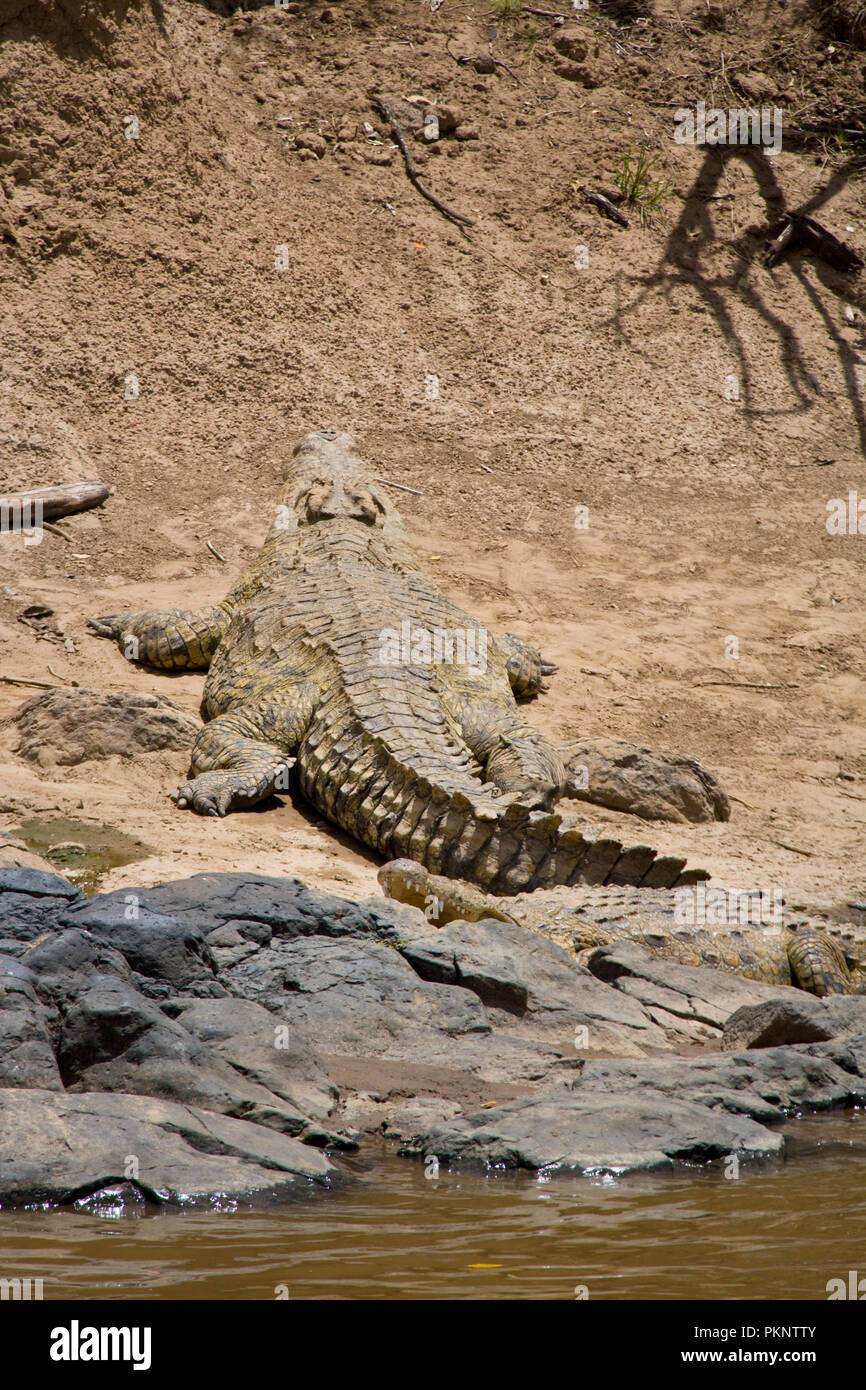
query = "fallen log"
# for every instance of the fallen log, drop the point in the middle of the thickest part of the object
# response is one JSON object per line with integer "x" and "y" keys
{"x": 55, "y": 501}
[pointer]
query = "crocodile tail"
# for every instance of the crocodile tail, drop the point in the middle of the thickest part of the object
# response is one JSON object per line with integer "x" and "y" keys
{"x": 510, "y": 849}
{"x": 818, "y": 963}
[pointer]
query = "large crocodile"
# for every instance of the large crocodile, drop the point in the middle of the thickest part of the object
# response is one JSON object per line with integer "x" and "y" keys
{"x": 337, "y": 654}
{"x": 758, "y": 939}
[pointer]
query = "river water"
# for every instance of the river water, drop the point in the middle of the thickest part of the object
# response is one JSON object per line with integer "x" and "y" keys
{"x": 778, "y": 1231}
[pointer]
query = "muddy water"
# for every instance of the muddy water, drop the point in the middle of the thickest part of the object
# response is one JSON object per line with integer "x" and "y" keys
{"x": 778, "y": 1231}
{"x": 81, "y": 851}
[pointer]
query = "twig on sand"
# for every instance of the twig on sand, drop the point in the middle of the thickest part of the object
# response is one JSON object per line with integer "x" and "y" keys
{"x": 604, "y": 205}
{"x": 213, "y": 550}
{"x": 751, "y": 685}
{"x": 401, "y": 486}
{"x": 16, "y": 680}
{"x": 412, "y": 169}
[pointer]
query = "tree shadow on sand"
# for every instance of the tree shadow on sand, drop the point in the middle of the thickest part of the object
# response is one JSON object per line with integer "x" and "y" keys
{"x": 682, "y": 262}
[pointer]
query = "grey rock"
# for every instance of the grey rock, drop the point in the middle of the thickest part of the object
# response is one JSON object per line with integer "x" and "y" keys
{"x": 800, "y": 1020}
{"x": 154, "y": 944}
{"x": 622, "y": 1115}
{"x": 113, "y": 1039}
{"x": 603, "y": 1133}
{"x": 276, "y": 1056}
{"x": 625, "y": 777}
{"x": 26, "y": 1051}
{"x": 284, "y": 906}
{"x": 66, "y": 727}
{"x": 690, "y": 992}
{"x": 62, "y": 959}
{"x": 534, "y": 987}
{"x": 31, "y": 902}
{"x": 51, "y": 1144}
{"x": 358, "y": 998}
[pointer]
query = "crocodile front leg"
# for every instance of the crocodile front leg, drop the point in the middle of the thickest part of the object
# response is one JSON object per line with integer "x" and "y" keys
{"x": 525, "y": 665}
{"x": 172, "y": 639}
{"x": 242, "y": 756}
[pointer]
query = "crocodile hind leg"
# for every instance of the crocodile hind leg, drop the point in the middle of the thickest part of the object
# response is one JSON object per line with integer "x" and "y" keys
{"x": 242, "y": 756}
{"x": 173, "y": 639}
{"x": 515, "y": 757}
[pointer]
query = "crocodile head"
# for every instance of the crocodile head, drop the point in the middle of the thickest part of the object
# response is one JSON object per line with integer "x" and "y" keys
{"x": 326, "y": 480}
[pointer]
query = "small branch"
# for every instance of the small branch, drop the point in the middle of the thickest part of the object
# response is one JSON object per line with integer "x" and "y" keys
{"x": 213, "y": 550}
{"x": 749, "y": 685}
{"x": 401, "y": 486}
{"x": 604, "y": 205}
{"x": 806, "y": 853}
{"x": 806, "y": 232}
{"x": 13, "y": 680}
{"x": 411, "y": 167}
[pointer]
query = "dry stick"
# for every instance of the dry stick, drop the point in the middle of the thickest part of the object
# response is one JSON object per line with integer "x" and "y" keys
{"x": 57, "y": 676}
{"x": 748, "y": 685}
{"x": 13, "y": 680}
{"x": 412, "y": 169}
{"x": 807, "y": 853}
{"x": 401, "y": 486}
{"x": 604, "y": 205}
{"x": 213, "y": 550}
{"x": 56, "y": 531}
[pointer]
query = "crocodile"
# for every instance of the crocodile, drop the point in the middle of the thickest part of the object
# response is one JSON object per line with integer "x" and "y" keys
{"x": 324, "y": 659}
{"x": 787, "y": 949}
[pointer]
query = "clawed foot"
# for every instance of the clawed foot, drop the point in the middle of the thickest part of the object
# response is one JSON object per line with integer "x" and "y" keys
{"x": 217, "y": 793}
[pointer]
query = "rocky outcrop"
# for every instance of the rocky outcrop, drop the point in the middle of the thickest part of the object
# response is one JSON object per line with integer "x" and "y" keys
{"x": 625, "y": 777}
{"x": 300, "y": 1016}
{"x": 619, "y": 1117}
{"x": 53, "y": 1147}
{"x": 66, "y": 727}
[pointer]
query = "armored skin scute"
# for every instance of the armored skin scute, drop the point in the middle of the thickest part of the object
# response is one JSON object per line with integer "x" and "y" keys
{"x": 337, "y": 656}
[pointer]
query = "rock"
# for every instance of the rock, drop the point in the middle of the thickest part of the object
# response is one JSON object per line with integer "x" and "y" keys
{"x": 66, "y": 727}
{"x": 576, "y": 72}
{"x": 622, "y": 1115}
{"x": 757, "y": 86}
{"x": 572, "y": 43}
{"x": 361, "y": 1000}
{"x": 114, "y": 1039}
{"x": 684, "y": 991}
{"x": 310, "y": 140}
{"x": 533, "y": 987}
{"x": 800, "y": 1020}
{"x": 563, "y": 1129}
{"x": 52, "y": 1144}
{"x": 155, "y": 945}
{"x": 60, "y": 961}
{"x": 14, "y": 854}
{"x": 285, "y": 907}
{"x": 467, "y": 132}
{"x": 625, "y": 777}
{"x": 26, "y": 1052}
{"x": 274, "y": 1055}
{"x": 31, "y": 902}
{"x": 375, "y": 154}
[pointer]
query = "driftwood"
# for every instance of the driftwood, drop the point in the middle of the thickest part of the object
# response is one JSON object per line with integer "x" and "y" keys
{"x": 806, "y": 232}
{"x": 604, "y": 205}
{"x": 56, "y": 501}
{"x": 411, "y": 167}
